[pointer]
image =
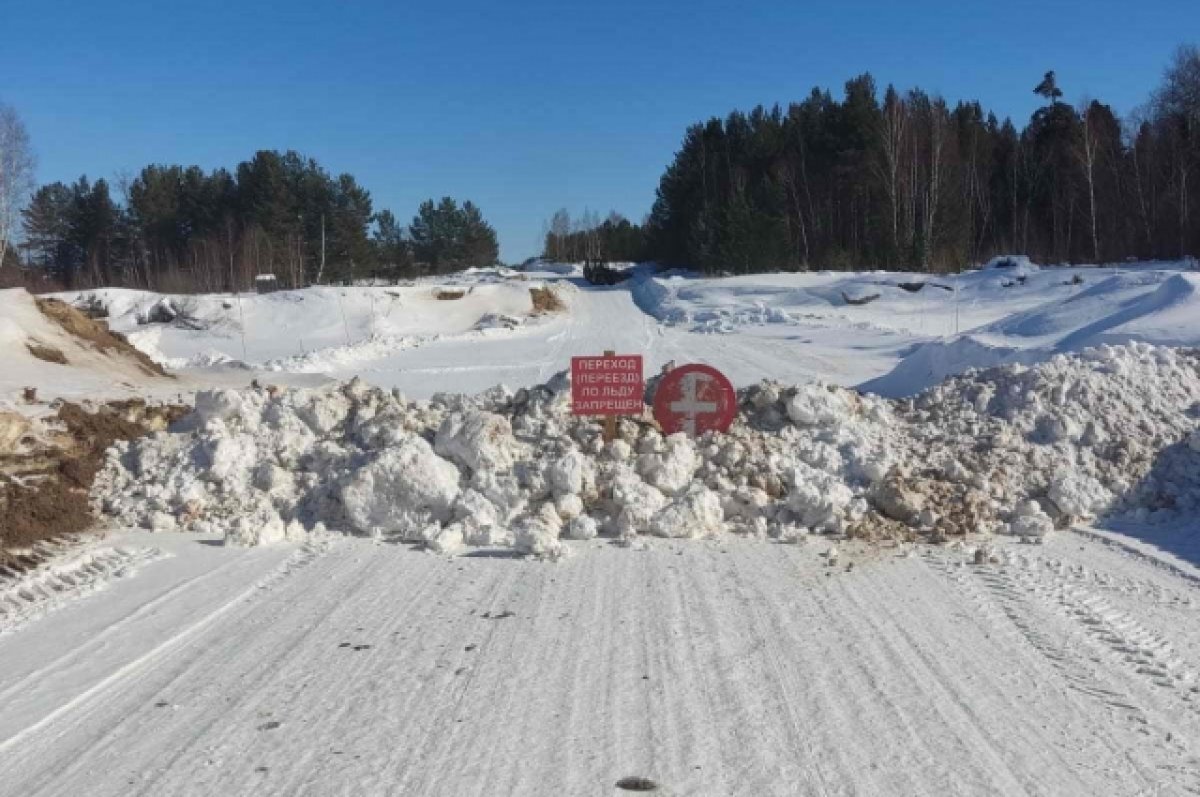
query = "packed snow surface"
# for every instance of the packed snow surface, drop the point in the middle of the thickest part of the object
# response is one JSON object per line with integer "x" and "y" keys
{"x": 1066, "y": 670}
{"x": 1014, "y": 449}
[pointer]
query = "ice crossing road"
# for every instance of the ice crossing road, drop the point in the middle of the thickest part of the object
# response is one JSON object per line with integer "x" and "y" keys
{"x": 598, "y": 319}
{"x": 711, "y": 668}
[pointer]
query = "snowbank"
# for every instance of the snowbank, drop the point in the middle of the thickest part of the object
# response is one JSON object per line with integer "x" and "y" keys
{"x": 930, "y": 363}
{"x": 1156, "y": 307}
{"x": 1014, "y": 449}
{"x": 308, "y": 330}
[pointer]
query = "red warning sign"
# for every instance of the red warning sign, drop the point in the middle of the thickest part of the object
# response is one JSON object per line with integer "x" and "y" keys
{"x": 694, "y": 399}
{"x": 608, "y": 385}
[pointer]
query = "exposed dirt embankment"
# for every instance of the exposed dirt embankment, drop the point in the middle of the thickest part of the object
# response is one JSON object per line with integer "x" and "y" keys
{"x": 47, "y": 468}
{"x": 95, "y": 334}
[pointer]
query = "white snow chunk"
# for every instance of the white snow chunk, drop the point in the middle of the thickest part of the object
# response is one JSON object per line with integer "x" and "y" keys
{"x": 478, "y": 441}
{"x": 568, "y": 506}
{"x": 1030, "y": 521}
{"x": 1079, "y": 495}
{"x": 401, "y": 490}
{"x": 636, "y": 503}
{"x": 673, "y": 469}
{"x": 582, "y": 528}
{"x": 694, "y": 514}
{"x": 263, "y": 527}
{"x": 818, "y": 405}
{"x": 537, "y": 534}
{"x": 571, "y": 474}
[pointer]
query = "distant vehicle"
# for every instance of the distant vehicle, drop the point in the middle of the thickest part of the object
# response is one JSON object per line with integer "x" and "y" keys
{"x": 600, "y": 274}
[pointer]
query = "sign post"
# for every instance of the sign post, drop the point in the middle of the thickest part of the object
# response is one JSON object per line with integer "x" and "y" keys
{"x": 609, "y": 386}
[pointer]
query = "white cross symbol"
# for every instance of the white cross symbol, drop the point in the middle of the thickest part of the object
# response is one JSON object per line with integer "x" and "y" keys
{"x": 689, "y": 406}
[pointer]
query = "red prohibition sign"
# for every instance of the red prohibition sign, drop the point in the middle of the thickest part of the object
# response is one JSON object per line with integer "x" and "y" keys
{"x": 694, "y": 399}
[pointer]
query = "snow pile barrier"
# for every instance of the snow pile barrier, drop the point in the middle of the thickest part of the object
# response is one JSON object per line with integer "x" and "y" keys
{"x": 1014, "y": 449}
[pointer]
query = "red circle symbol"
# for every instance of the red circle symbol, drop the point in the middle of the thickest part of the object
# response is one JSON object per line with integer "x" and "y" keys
{"x": 694, "y": 399}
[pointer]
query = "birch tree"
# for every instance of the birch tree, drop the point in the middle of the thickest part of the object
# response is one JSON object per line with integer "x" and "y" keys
{"x": 1085, "y": 150}
{"x": 16, "y": 175}
{"x": 893, "y": 123}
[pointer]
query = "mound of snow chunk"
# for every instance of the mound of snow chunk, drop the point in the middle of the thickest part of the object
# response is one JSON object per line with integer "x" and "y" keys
{"x": 695, "y": 513}
{"x": 401, "y": 490}
{"x": 1112, "y": 431}
{"x": 477, "y": 441}
{"x": 1030, "y": 521}
{"x": 669, "y": 465}
{"x": 538, "y": 534}
{"x": 635, "y": 502}
{"x": 572, "y": 474}
{"x": 815, "y": 406}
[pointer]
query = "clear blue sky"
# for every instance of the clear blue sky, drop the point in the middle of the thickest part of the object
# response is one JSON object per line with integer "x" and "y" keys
{"x": 521, "y": 107}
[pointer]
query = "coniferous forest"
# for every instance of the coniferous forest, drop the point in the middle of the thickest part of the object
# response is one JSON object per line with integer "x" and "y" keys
{"x": 904, "y": 180}
{"x": 181, "y": 228}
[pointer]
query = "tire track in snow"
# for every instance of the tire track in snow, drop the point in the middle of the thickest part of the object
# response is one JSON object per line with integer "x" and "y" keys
{"x": 450, "y": 692}
{"x": 1011, "y": 603}
{"x": 974, "y": 721}
{"x": 144, "y": 678}
{"x": 1068, "y": 626}
{"x": 875, "y": 688}
{"x": 787, "y": 685}
{"x": 93, "y": 697}
{"x": 1048, "y": 583}
{"x": 66, "y": 577}
{"x": 101, "y": 638}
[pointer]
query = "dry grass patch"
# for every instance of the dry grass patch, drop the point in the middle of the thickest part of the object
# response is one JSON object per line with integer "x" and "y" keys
{"x": 47, "y": 353}
{"x": 96, "y": 334}
{"x": 545, "y": 300}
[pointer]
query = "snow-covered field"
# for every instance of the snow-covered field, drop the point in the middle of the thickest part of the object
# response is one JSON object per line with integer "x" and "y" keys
{"x": 376, "y": 593}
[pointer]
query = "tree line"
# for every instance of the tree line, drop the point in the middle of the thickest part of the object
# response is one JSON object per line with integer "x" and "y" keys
{"x": 180, "y": 228}
{"x": 589, "y": 240}
{"x": 909, "y": 182}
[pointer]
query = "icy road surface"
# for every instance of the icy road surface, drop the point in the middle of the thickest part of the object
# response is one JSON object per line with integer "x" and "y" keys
{"x": 711, "y": 668}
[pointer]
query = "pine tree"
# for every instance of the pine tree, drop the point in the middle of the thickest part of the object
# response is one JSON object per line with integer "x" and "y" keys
{"x": 448, "y": 238}
{"x": 1048, "y": 88}
{"x": 480, "y": 247}
{"x": 393, "y": 254}
{"x": 47, "y": 226}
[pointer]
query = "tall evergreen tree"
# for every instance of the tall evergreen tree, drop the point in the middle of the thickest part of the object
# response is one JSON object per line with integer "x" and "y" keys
{"x": 47, "y": 224}
{"x": 448, "y": 238}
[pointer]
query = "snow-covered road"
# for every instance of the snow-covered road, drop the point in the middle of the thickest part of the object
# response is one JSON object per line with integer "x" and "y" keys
{"x": 601, "y": 319}
{"x": 719, "y": 668}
